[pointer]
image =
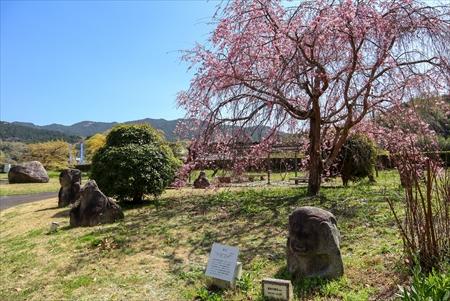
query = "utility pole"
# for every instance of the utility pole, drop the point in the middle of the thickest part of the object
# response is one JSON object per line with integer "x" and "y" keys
{"x": 81, "y": 153}
{"x": 295, "y": 162}
{"x": 70, "y": 154}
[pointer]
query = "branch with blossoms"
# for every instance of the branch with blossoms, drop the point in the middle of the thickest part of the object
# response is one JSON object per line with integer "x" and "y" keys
{"x": 410, "y": 141}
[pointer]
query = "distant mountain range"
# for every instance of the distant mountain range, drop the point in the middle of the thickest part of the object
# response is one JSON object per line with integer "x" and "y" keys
{"x": 29, "y": 132}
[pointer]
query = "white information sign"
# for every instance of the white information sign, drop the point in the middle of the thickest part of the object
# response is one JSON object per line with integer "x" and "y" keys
{"x": 222, "y": 262}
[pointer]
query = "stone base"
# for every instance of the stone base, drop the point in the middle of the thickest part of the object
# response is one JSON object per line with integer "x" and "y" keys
{"x": 226, "y": 284}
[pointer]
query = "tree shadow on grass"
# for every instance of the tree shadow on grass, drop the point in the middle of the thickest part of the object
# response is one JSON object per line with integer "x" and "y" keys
{"x": 65, "y": 228}
{"x": 46, "y": 209}
{"x": 129, "y": 205}
{"x": 63, "y": 213}
{"x": 183, "y": 229}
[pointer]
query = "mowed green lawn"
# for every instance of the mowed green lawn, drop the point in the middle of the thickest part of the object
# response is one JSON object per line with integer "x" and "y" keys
{"x": 53, "y": 185}
{"x": 159, "y": 251}
{"x": 29, "y": 188}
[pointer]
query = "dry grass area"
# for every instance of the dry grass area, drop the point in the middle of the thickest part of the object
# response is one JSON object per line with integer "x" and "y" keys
{"x": 160, "y": 249}
{"x": 53, "y": 185}
{"x": 7, "y": 189}
{"x": 29, "y": 188}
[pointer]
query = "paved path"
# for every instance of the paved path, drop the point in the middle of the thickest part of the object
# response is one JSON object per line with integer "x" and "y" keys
{"x": 14, "y": 200}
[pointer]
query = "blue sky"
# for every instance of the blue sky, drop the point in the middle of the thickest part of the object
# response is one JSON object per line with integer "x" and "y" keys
{"x": 69, "y": 61}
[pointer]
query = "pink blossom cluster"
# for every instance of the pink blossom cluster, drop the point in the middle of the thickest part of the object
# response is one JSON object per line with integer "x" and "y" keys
{"x": 409, "y": 140}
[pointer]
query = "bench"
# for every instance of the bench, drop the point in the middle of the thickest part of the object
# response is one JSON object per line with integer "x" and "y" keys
{"x": 299, "y": 180}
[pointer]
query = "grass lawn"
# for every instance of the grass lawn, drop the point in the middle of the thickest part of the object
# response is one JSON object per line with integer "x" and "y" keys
{"x": 30, "y": 188}
{"x": 274, "y": 176}
{"x": 159, "y": 251}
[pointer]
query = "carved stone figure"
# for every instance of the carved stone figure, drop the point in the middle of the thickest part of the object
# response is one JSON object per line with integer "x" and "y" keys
{"x": 93, "y": 207}
{"x": 313, "y": 244}
{"x": 70, "y": 180}
{"x": 201, "y": 181}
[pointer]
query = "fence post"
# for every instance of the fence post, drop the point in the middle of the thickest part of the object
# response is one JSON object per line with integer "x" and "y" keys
{"x": 295, "y": 162}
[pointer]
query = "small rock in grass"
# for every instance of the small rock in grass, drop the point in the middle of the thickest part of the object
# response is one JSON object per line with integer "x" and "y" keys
{"x": 54, "y": 227}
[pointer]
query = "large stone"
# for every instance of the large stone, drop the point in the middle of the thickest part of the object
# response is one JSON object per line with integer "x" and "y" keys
{"x": 28, "y": 172}
{"x": 201, "y": 181}
{"x": 70, "y": 180}
{"x": 93, "y": 207}
{"x": 313, "y": 244}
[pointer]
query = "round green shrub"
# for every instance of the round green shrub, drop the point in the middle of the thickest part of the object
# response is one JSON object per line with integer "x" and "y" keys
{"x": 357, "y": 159}
{"x": 140, "y": 134}
{"x": 136, "y": 160}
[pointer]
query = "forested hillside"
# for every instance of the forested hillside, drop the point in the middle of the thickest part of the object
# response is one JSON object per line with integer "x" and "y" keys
{"x": 16, "y": 132}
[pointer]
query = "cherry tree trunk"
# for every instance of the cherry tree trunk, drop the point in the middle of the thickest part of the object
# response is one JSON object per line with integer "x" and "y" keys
{"x": 315, "y": 158}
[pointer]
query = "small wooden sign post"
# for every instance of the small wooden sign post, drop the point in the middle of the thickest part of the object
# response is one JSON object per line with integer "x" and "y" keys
{"x": 277, "y": 289}
{"x": 223, "y": 267}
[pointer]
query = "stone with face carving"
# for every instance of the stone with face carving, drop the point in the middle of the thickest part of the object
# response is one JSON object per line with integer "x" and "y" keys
{"x": 201, "y": 181}
{"x": 313, "y": 244}
{"x": 70, "y": 180}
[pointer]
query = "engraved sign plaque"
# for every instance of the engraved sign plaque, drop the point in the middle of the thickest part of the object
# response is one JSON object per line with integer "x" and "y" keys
{"x": 277, "y": 289}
